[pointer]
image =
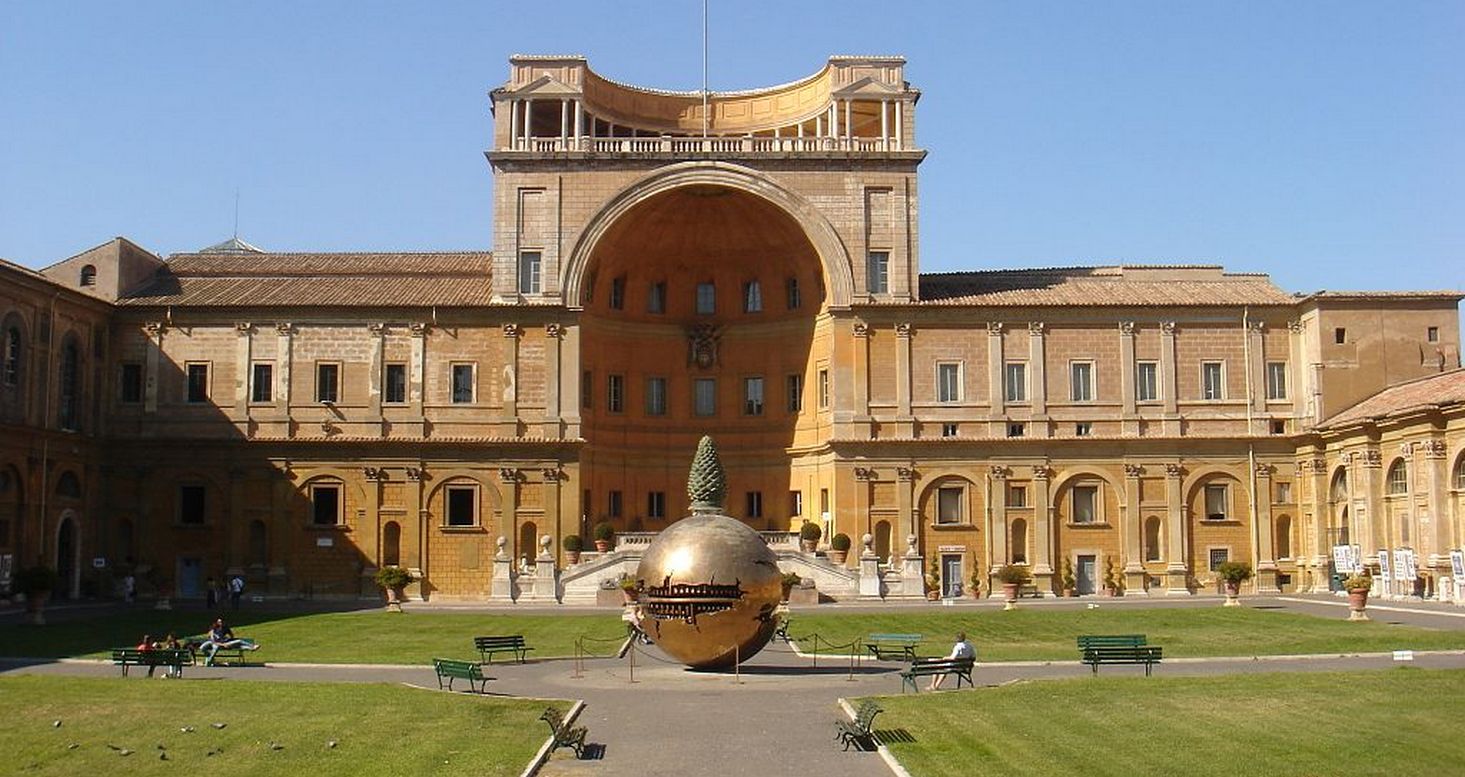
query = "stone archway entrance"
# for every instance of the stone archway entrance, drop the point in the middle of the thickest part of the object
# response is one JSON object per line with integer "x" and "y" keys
{"x": 68, "y": 557}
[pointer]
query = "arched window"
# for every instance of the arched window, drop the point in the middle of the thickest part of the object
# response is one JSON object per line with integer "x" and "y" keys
{"x": 392, "y": 544}
{"x": 70, "y": 394}
{"x": 68, "y": 486}
{"x": 882, "y": 539}
{"x": 1019, "y": 552}
{"x": 1152, "y": 538}
{"x": 13, "y": 344}
{"x": 1460, "y": 473}
{"x": 1338, "y": 492}
{"x": 528, "y": 534}
{"x": 89, "y": 275}
{"x": 1398, "y": 482}
{"x": 1284, "y": 537}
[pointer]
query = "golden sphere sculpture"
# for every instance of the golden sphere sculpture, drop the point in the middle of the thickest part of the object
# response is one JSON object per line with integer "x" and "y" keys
{"x": 709, "y": 583}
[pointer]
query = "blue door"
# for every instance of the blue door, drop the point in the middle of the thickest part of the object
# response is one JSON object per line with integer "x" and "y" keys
{"x": 951, "y": 576}
{"x": 1088, "y": 574}
{"x": 190, "y": 577}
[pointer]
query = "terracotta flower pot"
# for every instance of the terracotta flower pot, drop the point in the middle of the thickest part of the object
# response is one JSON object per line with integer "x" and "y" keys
{"x": 1233, "y": 595}
{"x": 602, "y": 546}
{"x": 394, "y": 599}
{"x": 1357, "y": 603}
{"x": 1009, "y": 591}
{"x": 838, "y": 556}
{"x": 572, "y": 556}
{"x": 35, "y": 606}
{"x": 808, "y": 546}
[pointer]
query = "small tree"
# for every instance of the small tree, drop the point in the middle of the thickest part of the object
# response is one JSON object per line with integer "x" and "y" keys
{"x": 840, "y": 542}
{"x": 573, "y": 543}
{"x": 1234, "y": 572}
{"x": 810, "y": 532}
{"x": 1069, "y": 582}
{"x": 393, "y": 578}
{"x": 1013, "y": 574}
{"x": 605, "y": 533}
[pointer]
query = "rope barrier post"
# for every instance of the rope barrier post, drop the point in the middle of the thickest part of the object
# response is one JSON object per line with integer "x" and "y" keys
{"x": 633, "y": 662}
{"x": 853, "y": 656}
{"x": 816, "y": 650}
{"x": 737, "y": 665}
{"x": 579, "y": 646}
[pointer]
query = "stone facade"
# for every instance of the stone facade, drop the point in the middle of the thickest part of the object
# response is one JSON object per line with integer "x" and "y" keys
{"x": 659, "y": 274}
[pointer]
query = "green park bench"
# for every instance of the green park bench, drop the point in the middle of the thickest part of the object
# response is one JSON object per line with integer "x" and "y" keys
{"x": 512, "y": 644}
{"x": 562, "y": 734}
{"x": 1147, "y": 655}
{"x": 450, "y": 670}
{"x": 900, "y": 646}
{"x": 1086, "y": 641}
{"x": 929, "y": 667}
{"x": 172, "y": 658}
{"x": 858, "y": 732}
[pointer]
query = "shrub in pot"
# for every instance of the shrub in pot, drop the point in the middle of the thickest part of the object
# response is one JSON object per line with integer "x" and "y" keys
{"x": 1012, "y": 578}
{"x": 809, "y": 535}
{"x": 1358, "y": 585}
{"x": 392, "y": 580}
{"x": 36, "y": 583}
{"x": 790, "y": 579}
{"x": 573, "y": 546}
{"x": 630, "y": 587}
{"x": 1234, "y": 573}
{"x": 1067, "y": 580}
{"x": 839, "y": 547}
{"x": 605, "y": 534}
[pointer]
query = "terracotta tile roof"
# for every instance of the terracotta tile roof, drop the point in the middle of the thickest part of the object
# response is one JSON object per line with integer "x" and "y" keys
{"x": 1433, "y": 392}
{"x": 1384, "y": 295}
{"x": 331, "y": 279}
{"x": 1123, "y": 285}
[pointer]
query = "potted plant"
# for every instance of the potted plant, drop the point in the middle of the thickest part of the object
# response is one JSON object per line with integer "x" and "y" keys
{"x": 1234, "y": 573}
{"x": 809, "y": 535}
{"x": 1067, "y": 580}
{"x": 838, "y": 548}
{"x": 790, "y": 579}
{"x": 1012, "y": 577}
{"x": 630, "y": 588}
{"x": 605, "y": 534}
{"x": 976, "y": 584}
{"x": 1112, "y": 582}
{"x": 573, "y": 546}
{"x": 36, "y": 583}
{"x": 1358, "y": 585}
{"x": 933, "y": 581}
{"x": 392, "y": 580}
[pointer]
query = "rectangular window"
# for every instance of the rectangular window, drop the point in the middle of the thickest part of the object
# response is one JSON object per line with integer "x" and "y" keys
{"x": 262, "y": 383}
{"x": 198, "y": 382}
{"x": 706, "y": 299}
{"x": 948, "y": 505}
{"x": 755, "y": 504}
{"x": 752, "y": 297}
{"x": 327, "y": 382}
{"x": 1083, "y": 429}
{"x": 824, "y": 503}
{"x": 1432, "y": 334}
{"x": 1085, "y": 504}
{"x": 1218, "y": 556}
{"x": 13, "y": 344}
{"x": 462, "y": 505}
{"x": 948, "y": 430}
{"x": 1276, "y": 380}
{"x": 656, "y": 504}
{"x": 1216, "y": 502}
{"x": 794, "y": 392}
{"x": 1081, "y": 381}
{"x": 656, "y": 396}
{"x": 796, "y": 503}
{"x": 529, "y": 272}
{"x": 618, "y": 293}
{"x": 587, "y": 389}
{"x": 1016, "y": 430}
{"x": 752, "y": 396}
{"x": 948, "y": 382}
{"x": 1340, "y": 335}
{"x": 394, "y": 392}
{"x": 656, "y": 298}
{"x": 1017, "y": 496}
{"x": 823, "y": 389}
{"x": 878, "y": 272}
{"x": 795, "y": 297}
{"x": 1211, "y": 385}
{"x": 1015, "y": 382}
{"x": 613, "y": 504}
{"x": 1284, "y": 493}
{"x": 704, "y": 397}
{"x": 130, "y": 390}
{"x": 615, "y": 393}
{"x": 192, "y": 504}
{"x": 325, "y": 504}
{"x": 462, "y": 384}
{"x": 1147, "y": 382}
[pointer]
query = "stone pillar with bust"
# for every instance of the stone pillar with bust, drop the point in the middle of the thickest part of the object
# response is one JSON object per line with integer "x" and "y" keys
{"x": 912, "y": 570}
{"x": 546, "y": 574}
{"x": 502, "y": 589}
{"x": 870, "y": 587}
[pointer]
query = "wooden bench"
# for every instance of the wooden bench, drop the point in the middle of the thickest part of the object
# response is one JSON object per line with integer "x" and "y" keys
{"x": 512, "y": 644}
{"x": 1086, "y": 641}
{"x": 563, "y": 735}
{"x": 928, "y": 667}
{"x": 781, "y": 631}
{"x": 900, "y": 646}
{"x": 1148, "y": 655}
{"x": 173, "y": 659}
{"x": 858, "y": 732}
{"x": 450, "y": 670}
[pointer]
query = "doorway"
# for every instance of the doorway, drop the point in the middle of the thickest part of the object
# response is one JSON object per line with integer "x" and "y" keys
{"x": 882, "y": 540}
{"x": 190, "y": 578}
{"x": 67, "y": 560}
{"x": 1088, "y": 574}
{"x": 950, "y": 576}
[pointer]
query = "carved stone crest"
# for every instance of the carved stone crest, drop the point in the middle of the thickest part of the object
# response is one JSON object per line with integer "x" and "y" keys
{"x": 703, "y": 341}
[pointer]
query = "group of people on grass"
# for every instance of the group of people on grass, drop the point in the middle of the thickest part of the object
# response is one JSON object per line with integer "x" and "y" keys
{"x": 218, "y": 637}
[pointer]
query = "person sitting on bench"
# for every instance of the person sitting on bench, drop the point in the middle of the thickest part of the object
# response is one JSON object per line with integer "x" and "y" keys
{"x": 222, "y": 637}
{"x": 147, "y": 645}
{"x": 962, "y": 649}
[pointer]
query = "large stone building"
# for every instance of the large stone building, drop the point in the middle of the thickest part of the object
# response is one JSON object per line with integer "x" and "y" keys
{"x": 746, "y": 266}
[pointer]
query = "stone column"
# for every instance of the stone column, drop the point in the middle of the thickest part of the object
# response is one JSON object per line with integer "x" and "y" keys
{"x": 863, "y": 478}
{"x": 1168, "y": 386}
{"x": 1258, "y": 370}
{"x": 553, "y": 382}
{"x": 1296, "y": 388}
{"x": 236, "y": 526}
{"x": 1177, "y": 574}
{"x": 1434, "y": 522}
{"x": 1264, "y": 551}
{"x": 995, "y": 401}
{"x": 1128, "y": 368}
{"x": 374, "y": 375}
{"x": 285, "y": 335}
{"x": 570, "y": 377}
{"x": 546, "y": 574}
{"x": 905, "y": 423}
{"x": 870, "y": 582}
{"x": 1373, "y": 524}
{"x": 1131, "y": 521}
{"x": 416, "y": 373}
{"x": 416, "y": 559}
{"x": 1317, "y": 469}
{"x": 557, "y": 531}
{"x": 511, "y": 382}
{"x": 998, "y": 532}
{"x": 509, "y": 506}
{"x": 912, "y": 571}
{"x": 905, "y": 502}
{"x": 245, "y": 331}
{"x": 1043, "y": 514}
{"x": 859, "y": 408}
{"x": 154, "y": 330}
{"x": 502, "y": 589}
{"x": 1038, "y": 378}
{"x": 368, "y": 534}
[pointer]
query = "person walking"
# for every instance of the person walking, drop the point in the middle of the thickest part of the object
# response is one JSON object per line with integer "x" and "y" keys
{"x": 962, "y": 649}
{"x": 211, "y": 594}
{"x": 236, "y": 591}
{"x": 129, "y": 588}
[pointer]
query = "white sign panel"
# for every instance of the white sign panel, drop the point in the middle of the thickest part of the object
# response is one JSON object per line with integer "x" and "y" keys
{"x": 1457, "y": 563}
{"x": 1356, "y": 554}
{"x": 951, "y": 548}
{"x": 1401, "y": 564}
{"x": 99, "y": 563}
{"x": 1411, "y": 571}
{"x": 324, "y": 542}
{"x": 1342, "y": 559}
{"x": 1383, "y": 565}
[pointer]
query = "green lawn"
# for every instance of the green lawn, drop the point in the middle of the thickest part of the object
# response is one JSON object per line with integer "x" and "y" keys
{"x": 372, "y": 636}
{"x": 1042, "y": 633}
{"x": 1390, "y": 722}
{"x": 379, "y": 729}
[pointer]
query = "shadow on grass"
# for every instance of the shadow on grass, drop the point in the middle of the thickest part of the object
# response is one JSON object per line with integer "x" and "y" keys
{"x": 887, "y": 735}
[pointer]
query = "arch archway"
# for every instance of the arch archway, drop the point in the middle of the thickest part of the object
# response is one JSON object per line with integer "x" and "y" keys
{"x": 392, "y": 544}
{"x": 882, "y": 539}
{"x": 528, "y": 541}
{"x": 68, "y": 555}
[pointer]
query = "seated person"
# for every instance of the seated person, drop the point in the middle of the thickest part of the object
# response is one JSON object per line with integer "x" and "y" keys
{"x": 962, "y": 649}
{"x": 220, "y": 637}
{"x": 147, "y": 646}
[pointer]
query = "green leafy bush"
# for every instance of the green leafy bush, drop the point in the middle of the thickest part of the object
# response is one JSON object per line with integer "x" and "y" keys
{"x": 840, "y": 542}
{"x": 1357, "y": 581}
{"x": 393, "y": 578}
{"x": 1013, "y": 574}
{"x": 810, "y": 532}
{"x": 604, "y": 532}
{"x": 1234, "y": 572}
{"x": 573, "y": 543}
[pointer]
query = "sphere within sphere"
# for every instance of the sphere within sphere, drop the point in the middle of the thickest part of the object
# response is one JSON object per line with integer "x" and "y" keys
{"x": 709, "y": 588}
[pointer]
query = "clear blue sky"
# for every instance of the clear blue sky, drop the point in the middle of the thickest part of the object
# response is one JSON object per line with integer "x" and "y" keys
{"x": 1323, "y": 142}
